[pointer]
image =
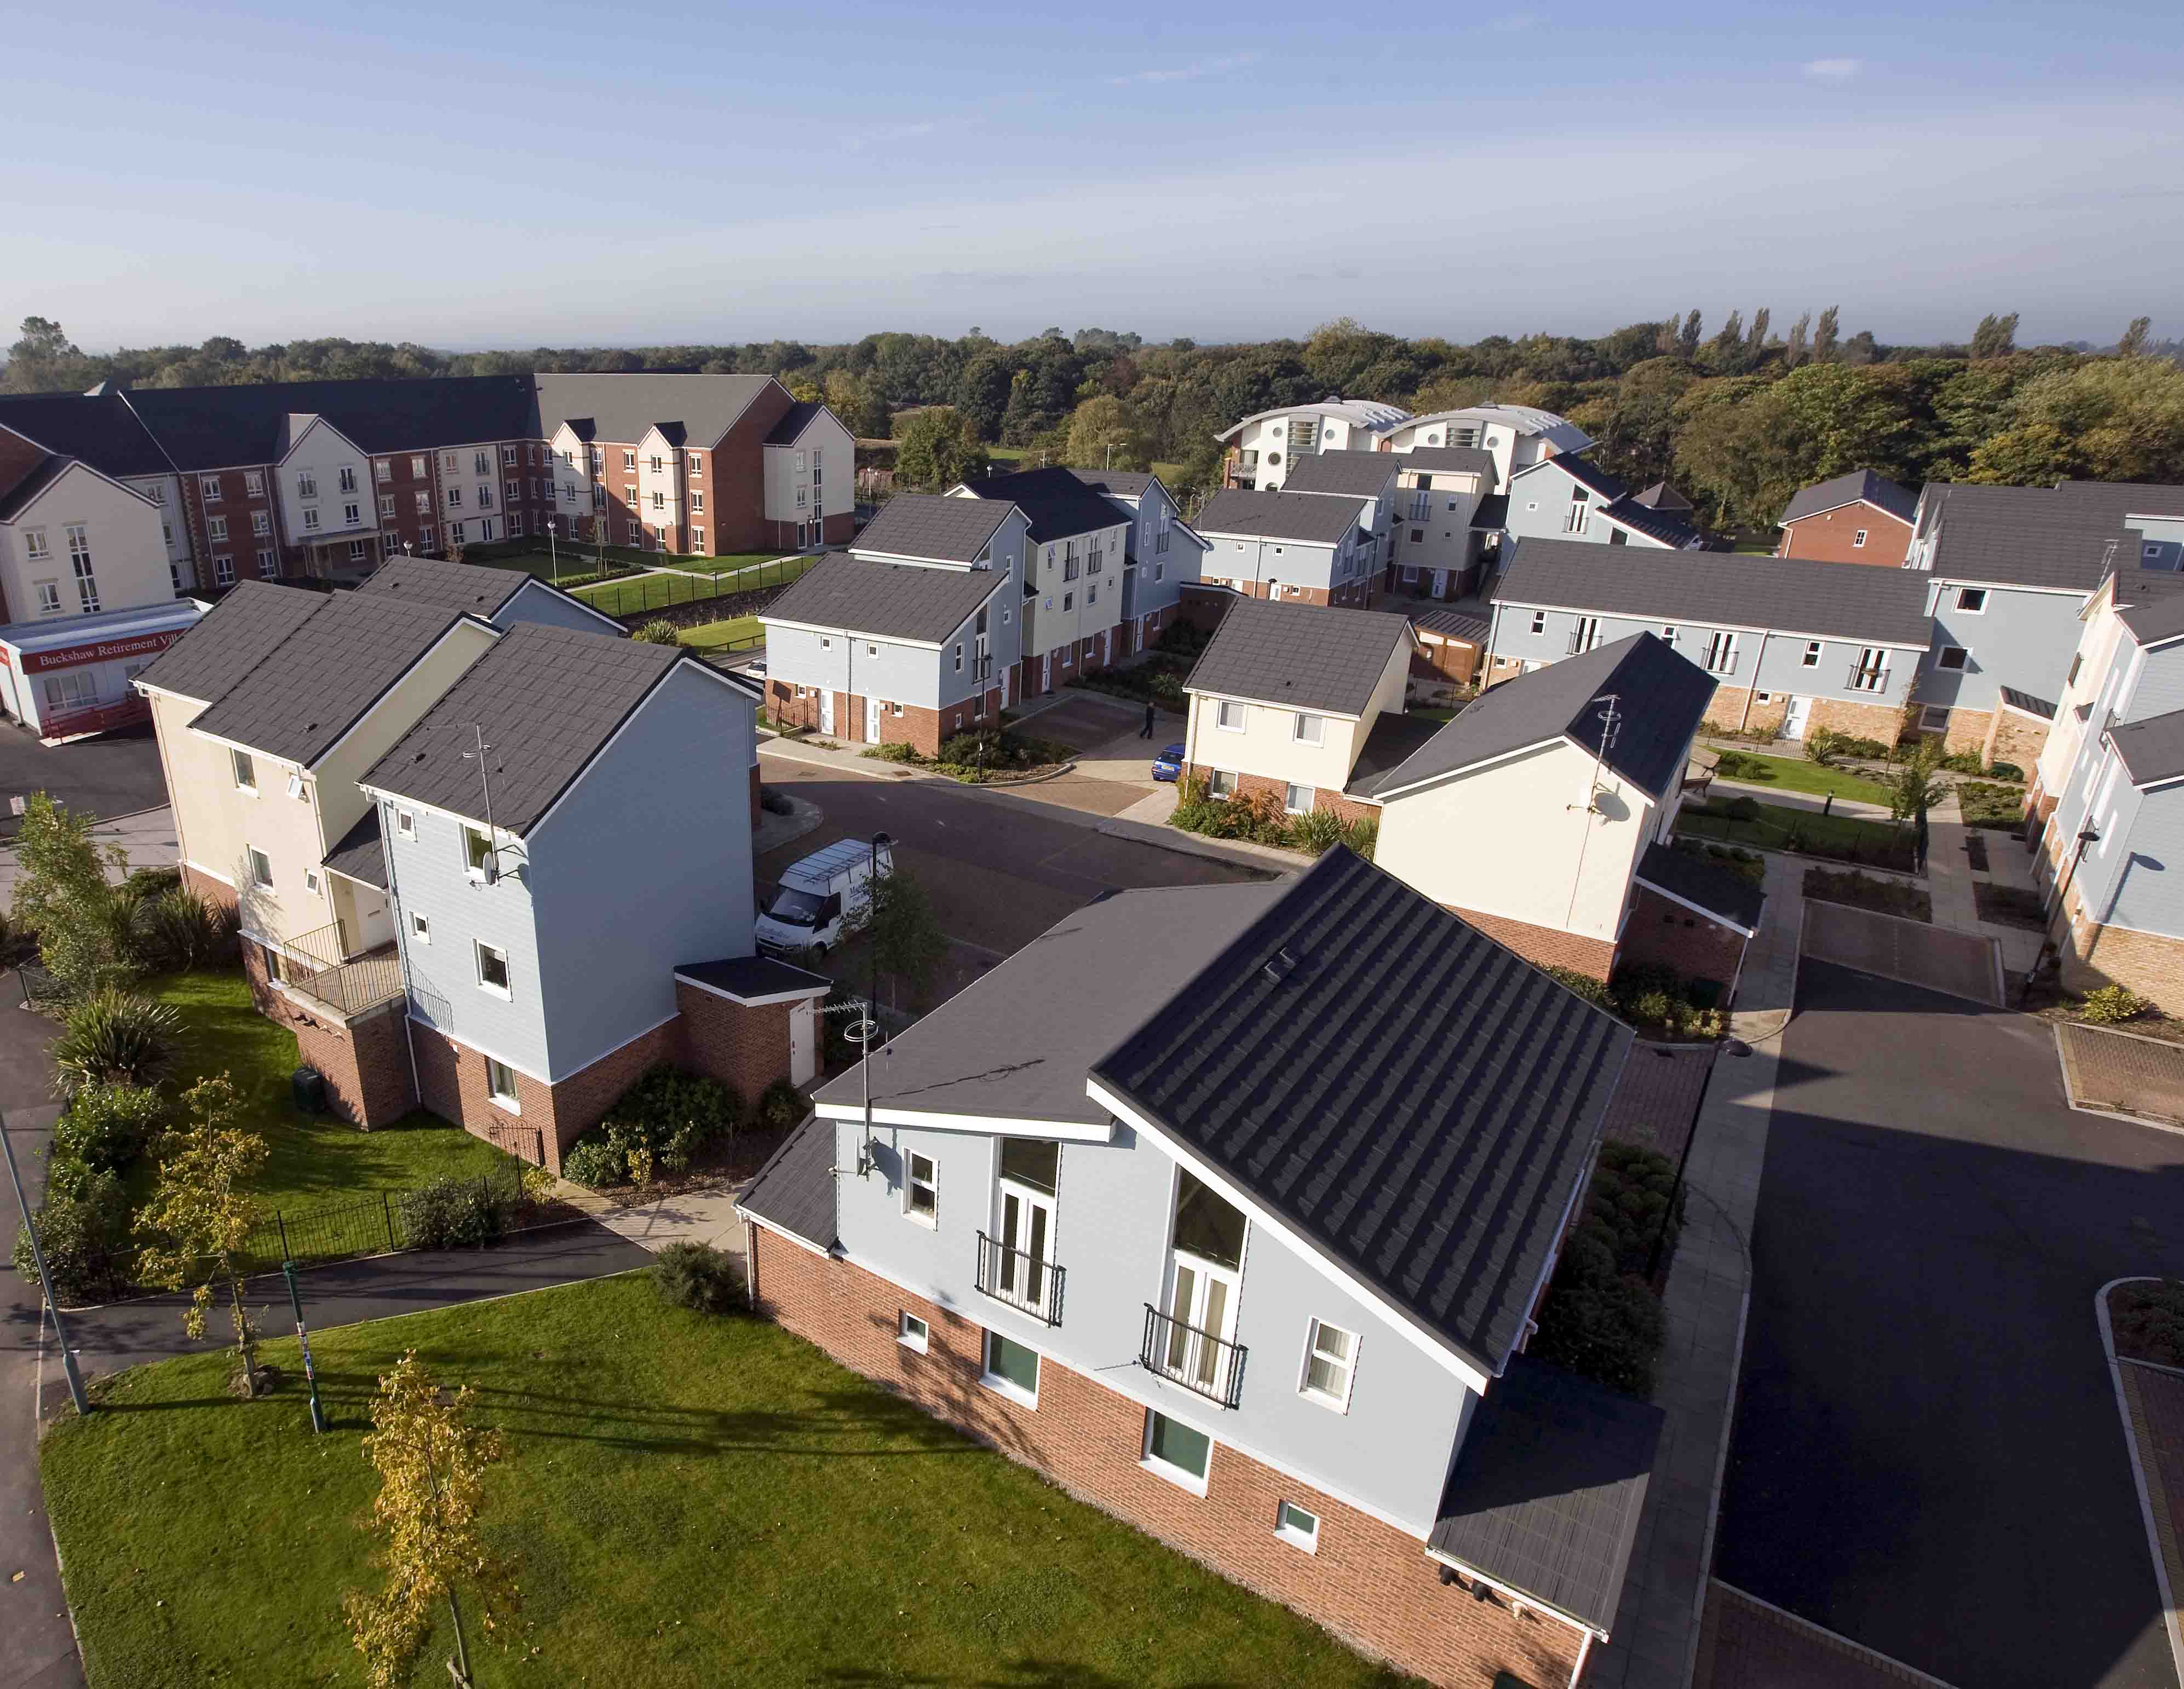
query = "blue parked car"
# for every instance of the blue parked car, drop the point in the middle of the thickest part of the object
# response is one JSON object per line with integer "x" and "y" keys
{"x": 1168, "y": 765}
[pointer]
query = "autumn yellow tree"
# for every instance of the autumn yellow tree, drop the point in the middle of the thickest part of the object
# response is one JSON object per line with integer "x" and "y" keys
{"x": 202, "y": 1212}
{"x": 432, "y": 1463}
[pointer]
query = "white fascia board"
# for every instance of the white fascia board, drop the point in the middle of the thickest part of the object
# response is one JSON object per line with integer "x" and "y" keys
{"x": 800, "y": 992}
{"x": 465, "y": 620}
{"x": 785, "y": 1236}
{"x": 852, "y": 633}
{"x": 1389, "y": 792}
{"x": 1271, "y": 703}
{"x": 1699, "y": 909}
{"x": 914, "y": 560}
{"x": 1890, "y": 644}
{"x": 148, "y": 689}
{"x": 560, "y": 596}
{"x": 988, "y": 1125}
{"x": 1516, "y": 1596}
{"x": 75, "y": 463}
{"x": 1473, "y": 1375}
{"x": 1939, "y": 578}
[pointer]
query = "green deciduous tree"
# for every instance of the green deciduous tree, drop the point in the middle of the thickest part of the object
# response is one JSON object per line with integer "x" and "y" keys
{"x": 2133, "y": 343}
{"x": 939, "y": 447}
{"x": 1996, "y": 337}
{"x": 64, "y": 894}
{"x": 201, "y": 1212}
{"x": 906, "y": 933}
{"x": 1105, "y": 432}
{"x": 428, "y": 1519}
{"x": 1824, "y": 335}
{"x": 2109, "y": 420}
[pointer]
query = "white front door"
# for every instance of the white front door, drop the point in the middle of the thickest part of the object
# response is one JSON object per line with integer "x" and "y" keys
{"x": 1046, "y": 673}
{"x": 1440, "y": 583}
{"x": 872, "y": 721}
{"x": 801, "y": 1064}
{"x": 1794, "y": 718}
{"x": 827, "y": 713}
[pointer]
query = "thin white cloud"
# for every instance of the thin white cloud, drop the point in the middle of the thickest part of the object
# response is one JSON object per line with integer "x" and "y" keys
{"x": 1189, "y": 73}
{"x": 1833, "y": 70}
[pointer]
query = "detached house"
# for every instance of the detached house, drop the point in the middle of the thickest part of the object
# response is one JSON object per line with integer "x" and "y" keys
{"x": 1857, "y": 518}
{"x": 913, "y": 637}
{"x": 1264, "y": 447}
{"x": 1300, "y": 703}
{"x": 1790, "y": 645}
{"x": 1543, "y": 815}
{"x": 1299, "y": 547}
{"x": 1162, "y": 555}
{"x": 1567, "y": 497}
{"x": 1075, "y": 576}
{"x": 1228, "y": 1208}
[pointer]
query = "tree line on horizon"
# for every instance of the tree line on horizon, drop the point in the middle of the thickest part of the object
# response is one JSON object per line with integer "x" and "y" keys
{"x": 1736, "y": 419}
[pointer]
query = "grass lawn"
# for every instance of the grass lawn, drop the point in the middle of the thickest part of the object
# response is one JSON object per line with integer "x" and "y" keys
{"x": 739, "y": 633}
{"x": 657, "y": 592}
{"x": 1842, "y": 836}
{"x": 1795, "y": 774}
{"x": 697, "y": 1501}
{"x": 313, "y": 1160}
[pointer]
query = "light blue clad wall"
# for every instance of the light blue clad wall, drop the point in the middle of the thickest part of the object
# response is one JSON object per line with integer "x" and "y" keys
{"x": 645, "y": 863}
{"x": 1539, "y": 506}
{"x": 1177, "y": 566}
{"x": 2143, "y": 886}
{"x": 549, "y": 609}
{"x": 1764, "y": 662}
{"x": 1392, "y": 1449}
{"x": 1247, "y": 559}
{"x": 2159, "y": 687}
{"x": 2021, "y": 639}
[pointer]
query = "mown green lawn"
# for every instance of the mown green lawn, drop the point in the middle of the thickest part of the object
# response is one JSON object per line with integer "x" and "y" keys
{"x": 1795, "y": 774}
{"x": 737, "y": 632}
{"x": 1778, "y": 827}
{"x": 696, "y": 1501}
{"x": 313, "y": 1160}
{"x": 626, "y": 597}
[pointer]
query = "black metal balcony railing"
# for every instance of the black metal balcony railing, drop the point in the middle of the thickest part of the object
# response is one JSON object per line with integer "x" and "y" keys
{"x": 1198, "y": 1360}
{"x": 1021, "y": 1279}
{"x": 317, "y": 965}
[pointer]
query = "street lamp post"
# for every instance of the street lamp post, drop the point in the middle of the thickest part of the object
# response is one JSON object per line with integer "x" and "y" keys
{"x": 76, "y": 1392}
{"x": 554, "y": 550}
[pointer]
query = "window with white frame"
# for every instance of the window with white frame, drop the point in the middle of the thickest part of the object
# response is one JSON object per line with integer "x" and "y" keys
{"x": 216, "y": 527}
{"x": 223, "y": 570}
{"x": 1539, "y": 621}
{"x": 1297, "y": 1527}
{"x": 911, "y": 1331}
{"x": 481, "y": 464}
{"x": 416, "y": 469}
{"x": 697, "y": 463}
{"x": 424, "y": 504}
{"x": 1298, "y": 800}
{"x": 1721, "y": 653}
{"x": 383, "y": 471}
{"x": 921, "y": 1188}
{"x": 508, "y": 456}
{"x": 261, "y": 871}
{"x": 485, "y": 498}
{"x": 1231, "y": 717}
{"x": 454, "y": 498}
{"x": 349, "y": 477}
{"x": 253, "y": 484}
{"x": 1811, "y": 659}
{"x": 1972, "y": 600}
{"x": 477, "y": 850}
{"x": 307, "y": 486}
{"x": 492, "y": 973}
{"x": 311, "y": 520}
{"x": 208, "y": 489}
{"x": 244, "y": 767}
{"x": 1858, "y": 538}
{"x": 629, "y": 460}
{"x": 406, "y": 823}
{"x": 1309, "y": 729}
{"x": 35, "y": 548}
{"x": 71, "y": 689}
{"x": 697, "y": 504}
{"x": 1870, "y": 672}
{"x": 1176, "y": 1452}
{"x": 421, "y": 927}
{"x": 500, "y": 1083}
{"x": 49, "y": 597}
{"x": 386, "y": 506}
{"x": 86, "y": 588}
{"x": 1952, "y": 658}
{"x": 1220, "y": 783}
{"x": 510, "y": 491}
{"x": 352, "y": 514}
{"x": 1330, "y": 1361}
{"x": 1011, "y": 1369}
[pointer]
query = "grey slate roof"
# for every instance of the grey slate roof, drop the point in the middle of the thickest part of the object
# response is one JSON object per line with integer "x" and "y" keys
{"x": 548, "y": 699}
{"x": 319, "y": 682}
{"x": 1054, "y": 500}
{"x": 1657, "y": 1098}
{"x": 1492, "y": 511}
{"x": 97, "y": 427}
{"x": 1308, "y": 518}
{"x": 1391, "y": 743}
{"x": 1018, "y": 1043}
{"x": 470, "y": 586}
{"x": 1358, "y": 474}
{"x": 40, "y": 475}
{"x": 362, "y": 852}
{"x": 1121, "y": 483}
{"x": 1721, "y": 589}
{"x": 237, "y": 634}
{"x": 1418, "y": 1103}
{"x": 2028, "y": 536}
{"x": 2030, "y": 705}
{"x": 793, "y": 421}
{"x": 750, "y": 976}
{"x": 209, "y": 428}
{"x": 927, "y": 525}
{"x": 885, "y": 600}
{"x": 1453, "y": 459}
{"x": 2150, "y": 602}
{"x": 1663, "y": 697}
{"x": 1859, "y": 486}
{"x": 1691, "y": 877}
{"x": 1664, "y": 525}
{"x": 1452, "y": 624}
{"x": 1308, "y": 657}
{"x": 2153, "y": 749}
{"x": 621, "y": 408}
{"x": 794, "y": 1190}
{"x": 1662, "y": 496}
{"x": 1546, "y": 1495}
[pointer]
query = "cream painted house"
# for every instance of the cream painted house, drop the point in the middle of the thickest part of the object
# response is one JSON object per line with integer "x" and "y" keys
{"x": 1291, "y": 699}
{"x": 810, "y": 465}
{"x": 327, "y": 502}
{"x": 265, "y": 717}
{"x": 1544, "y": 813}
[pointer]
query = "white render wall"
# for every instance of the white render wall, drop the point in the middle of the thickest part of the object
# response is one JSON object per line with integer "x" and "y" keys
{"x": 318, "y": 457}
{"x": 129, "y": 552}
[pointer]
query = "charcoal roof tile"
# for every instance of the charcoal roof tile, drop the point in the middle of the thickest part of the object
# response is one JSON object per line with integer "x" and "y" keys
{"x": 362, "y": 852}
{"x": 622, "y": 407}
{"x": 484, "y": 591}
{"x": 211, "y": 428}
{"x": 97, "y": 427}
{"x": 1356, "y": 474}
{"x": 794, "y": 1190}
{"x": 1691, "y": 878}
{"x": 1308, "y": 657}
{"x": 236, "y": 635}
{"x": 927, "y": 525}
{"x": 1122, "y": 483}
{"x": 793, "y": 421}
{"x": 1307, "y": 518}
{"x": 753, "y": 976}
{"x": 2151, "y": 750}
{"x": 1454, "y": 459}
{"x": 1859, "y": 486}
{"x": 885, "y": 600}
{"x": 1054, "y": 500}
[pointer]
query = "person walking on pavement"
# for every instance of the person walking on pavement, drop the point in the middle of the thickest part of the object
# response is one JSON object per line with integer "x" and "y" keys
{"x": 1147, "y": 732}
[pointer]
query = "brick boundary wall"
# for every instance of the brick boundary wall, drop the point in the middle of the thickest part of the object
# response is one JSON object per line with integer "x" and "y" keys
{"x": 1881, "y": 721}
{"x": 1369, "y": 1583}
{"x": 1670, "y": 935}
{"x": 1546, "y": 947}
{"x": 2093, "y": 955}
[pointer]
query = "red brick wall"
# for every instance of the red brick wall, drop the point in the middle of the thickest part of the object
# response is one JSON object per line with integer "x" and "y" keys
{"x": 1830, "y": 536}
{"x": 366, "y": 1064}
{"x": 735, "y": 477}
{"x": 1881, "y": 721}
{"x": 1549, "y": 947}
{"x": 1670, "y": 935}
{"x": 236, "y": 503}
{"x": 1369, "y": 1583}
{"x": 18, "y": 457}
{"x": 1324, "y": 797}
{"x": 452, "y": 1083}
{"x": 217, "y": 892}
{"x": 2014, "y": 738}
{"x": 745, "y": 1047}
{"x": 1355, "y": 594}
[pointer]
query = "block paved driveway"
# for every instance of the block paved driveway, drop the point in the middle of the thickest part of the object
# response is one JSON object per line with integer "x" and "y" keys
{"x": 1914, "y": 951}
{"x": 1926, "y": 1457}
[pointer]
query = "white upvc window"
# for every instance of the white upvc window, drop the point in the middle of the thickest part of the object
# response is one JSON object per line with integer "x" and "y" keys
{"x": 1298, "y": 800}
{"x": 421, "y": 927}
{"x": 1309, "y": 729}
{"x": 481, "y": 462}
{"x": 261, "y": 869}
{"x": 1952, "y": 658}
{"x": 1858, "y": 538}
{"x": 1330, "y": 1363}
{"x": 424, "y": 504}
{"x": 383, "y": 471}
{"x": 349, "y": 477}
{"x": 216, "y": 527}
{"x": 253, "y": 484}
{"x": 921, "y": 1189}
{"x": 311, "y": 520}
{"x": 223, "y": 570}
{"x": 406, "y": 823}
{"x": 1721, "y": 653}
{"x": 244, "y": 767}
{"x": 911, "y": 1331}
{"x": 1231, "y": 718}
{"x": 1297, "y": 1527}
{"x": 500, "y": 1086}
{"x": 307, "y": 486}
{"x": 492, "y": 973}
{"x": 1811, "y": 659}
{"x": 261, "y": 523}
{"x": 35, "y": 548}
{"x": 208, "y": 489}
{"x": 1972, "y": 600}
{"x": 416, "y": 469}
{"x": 477, "y": 850}
{"x": 1011, "y": 1369}
{"x": 1870, "y": 674}
{"x": 1221, "y": 783}
{"x": 1177, "y": 1453}
{"x": 1539, "y": 621}
{"x": 269, "y": 565}
{"x": 87, "y": 586}
{"x": 49, "y": 597}
{"x": 697, "y": 463}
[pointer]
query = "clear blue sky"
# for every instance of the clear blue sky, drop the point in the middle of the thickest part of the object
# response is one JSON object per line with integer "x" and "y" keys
{"x": 504, "y": 175}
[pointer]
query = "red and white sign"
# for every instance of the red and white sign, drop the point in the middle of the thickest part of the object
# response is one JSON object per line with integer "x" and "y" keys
{"x": 104, "y": 650}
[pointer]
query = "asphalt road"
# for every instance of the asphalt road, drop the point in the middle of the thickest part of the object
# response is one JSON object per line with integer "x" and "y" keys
{"x": 1926, "y": 1456}
{"x": 115, "y": 773}
{"x": 999, "y": 868}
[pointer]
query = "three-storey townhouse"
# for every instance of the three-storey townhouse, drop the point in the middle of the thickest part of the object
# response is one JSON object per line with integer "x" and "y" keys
{"x": 1437, "y": 546}
{"x": 1299, "y": 547}
{"x": 1791, "y": 645}
{"x": 1370, "y": 475}
{"x": 1162, "y": 553}
{"x": 1273, "y": 1317}
{"x": 1073, "y": 572}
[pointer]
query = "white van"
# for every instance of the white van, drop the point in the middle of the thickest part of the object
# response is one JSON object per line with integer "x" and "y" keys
{"x": 816, "y": 895}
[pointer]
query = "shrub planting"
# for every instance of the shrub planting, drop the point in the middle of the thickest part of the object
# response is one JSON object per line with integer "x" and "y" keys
{"x": 116, "y": 1035}
{"x": 781, "y": 1105}
{"x": 83, "y": 1231}
{"x": 455, "y": 1213}
{"x": 2112, "y": 1005}
{"x": 699, "y": 1277}
{"x": 659, "y": 632}
{"x": 1600, "y": 1317}
{"x": 2148, "y": 1321}
{"x": 108, "y": 1125}
{"x": 661, "y": 1123}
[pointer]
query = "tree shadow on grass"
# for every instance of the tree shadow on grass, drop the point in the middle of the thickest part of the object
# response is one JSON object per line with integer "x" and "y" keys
{"x": 1017, "y": 1674}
